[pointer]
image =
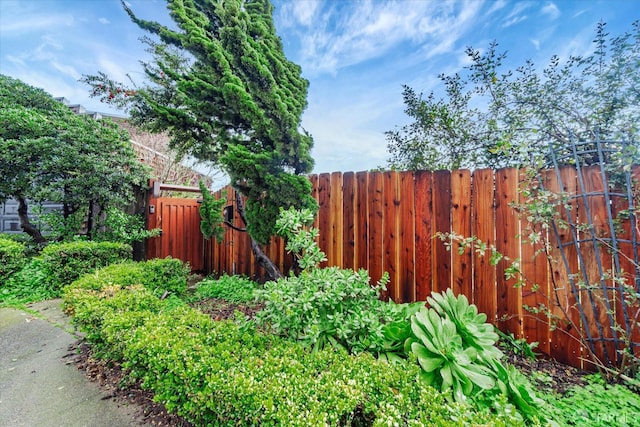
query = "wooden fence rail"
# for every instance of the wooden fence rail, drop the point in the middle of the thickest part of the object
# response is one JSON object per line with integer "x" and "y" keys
{"x": 386, "y": 222}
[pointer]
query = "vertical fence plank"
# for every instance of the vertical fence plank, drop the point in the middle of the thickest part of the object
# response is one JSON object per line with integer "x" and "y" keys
{"x": 483, "y": 227}
{"x": 632, "y": 256}
{"x": 599, "y": 301}
{"x": 375, "y": 210}
{"x": 324, "y": 214}
{"x": 508, "y": 244}
{"x": 336, "y": 218}
{"x": 423, "y": 234}
{"x": 535, "y": 269}
{"x": 442, "y": 214}
{"x": 349, "y": 200}
{"x": 361, "y": 228}
{"x": 563, "y": 346}
{"x": 461, "y": 271}
{"x": 627, "y": 272}
{"x": 406, "y": 238}
{"x": 390, "y": 240}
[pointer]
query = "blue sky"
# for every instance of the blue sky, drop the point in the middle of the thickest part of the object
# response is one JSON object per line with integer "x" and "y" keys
{"x": 356, "y": 54}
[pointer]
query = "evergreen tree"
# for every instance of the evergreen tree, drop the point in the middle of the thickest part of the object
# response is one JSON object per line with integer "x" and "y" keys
{"x": 222, "y": 87}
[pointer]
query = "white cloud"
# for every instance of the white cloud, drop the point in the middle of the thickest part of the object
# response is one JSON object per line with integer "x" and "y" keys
{"x": 514, "y": 20}
{"x": 535, "y": 43}
{"x": 357, "y": 32}
{"x": 552, "y": 10}
{"x": 69, "y": 70}
{"x": 104, "y": 21}
{"x": 11, "y": 25}
{"x": 516, "y": 14}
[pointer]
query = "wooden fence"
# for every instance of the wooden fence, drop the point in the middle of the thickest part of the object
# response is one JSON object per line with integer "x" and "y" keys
{"x": 385, "y": 222}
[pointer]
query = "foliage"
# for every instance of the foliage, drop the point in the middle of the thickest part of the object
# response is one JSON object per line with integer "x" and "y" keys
{"x": 447, "y": 361}
{"x": 518, "y": 346}
{"x": 214, "y": 373}
{"x": 294, "y": 226}
{"x": 56, "y": 227}
{"x": 322, "y": 306}
{"x": 65, "y": 262}
{"x": 121, "y": 227}
{"x": 12, "y": 255}
{"x": 158, "y": 275}
{"x": 326, "y": 306}
{"x": 526, "y": 108}
{"x": 27, "y": 285}
{"x": 235, "y": 289}
{"x": 211, "y": 214}
{"x": 220, "y": 84}
{"x": 455, "y": 348}
{"x": 595, "y": 405}
{"x": 471, "y": 325}
{"x": 48, "y": 153}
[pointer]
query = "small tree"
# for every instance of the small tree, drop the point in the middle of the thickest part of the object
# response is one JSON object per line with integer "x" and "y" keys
{"x": 48, "y": 153}
{"x": 524, "y": 110}
{"x": 222, "y": 87}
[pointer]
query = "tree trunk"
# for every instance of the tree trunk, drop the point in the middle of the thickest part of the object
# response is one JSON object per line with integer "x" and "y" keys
{"x": 26, "y": 225}
{"x": 272, "y": 270}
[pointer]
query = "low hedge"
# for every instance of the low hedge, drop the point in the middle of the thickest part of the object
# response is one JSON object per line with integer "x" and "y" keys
{"x": 12, "y": 257}
{"x": 222, "y": 374}
{"x": 65, "y": 262}
{"x": 163, "y": 277}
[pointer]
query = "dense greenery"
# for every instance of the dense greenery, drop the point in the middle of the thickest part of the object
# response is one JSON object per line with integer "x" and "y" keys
{"x": 12, "y": 257}
{"x": 48, "y": 153}
{"x": 526, "y": 109}
{"x": 215, "y": 373}
{"x": 65, "y": 262}
{"x": 235, "y": 289}
{"x": 42, "y": 277}
{"x": 220, "y": 84}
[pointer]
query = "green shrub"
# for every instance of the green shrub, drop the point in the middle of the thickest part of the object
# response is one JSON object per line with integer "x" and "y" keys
{"x": 12, "y": 258}
{"x": 27, "y": 285}
{"x": 213, "y": 373}
{"x": 326, "y": 306}
{"x": 456, "y": 350}
{"x": 235, "y": 289}
{"x": 160, "y": 276}
{"x": 65, "y": 262}
{"x": 166, "y": 276}
{"x": 216, "y": 373}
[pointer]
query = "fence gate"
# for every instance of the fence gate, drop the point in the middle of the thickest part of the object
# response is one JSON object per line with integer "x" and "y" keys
{"x": 179, "y": 220}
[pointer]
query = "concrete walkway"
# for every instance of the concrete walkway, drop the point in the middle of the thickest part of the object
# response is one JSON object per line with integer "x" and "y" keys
{"x": 37, "y": 386}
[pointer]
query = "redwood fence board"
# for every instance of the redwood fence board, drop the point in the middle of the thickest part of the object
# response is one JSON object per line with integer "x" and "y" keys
{"x": 386, "y": 222}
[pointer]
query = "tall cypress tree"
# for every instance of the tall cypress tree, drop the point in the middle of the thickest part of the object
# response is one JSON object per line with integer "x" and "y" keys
{"x": 221, "y": 85}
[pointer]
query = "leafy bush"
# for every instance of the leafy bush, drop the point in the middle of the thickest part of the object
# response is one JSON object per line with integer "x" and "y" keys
{"x": 160, "y": 276}
{"x": 323, "y": 306}
{"x": 235, "y": 289}
{"x": 27, "y": 285}
{"x": 63, "y": 263}
{"x": 326, "y": 306}
{"x": 216, "y": 373}
{"x": 12, "y": 258}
